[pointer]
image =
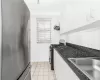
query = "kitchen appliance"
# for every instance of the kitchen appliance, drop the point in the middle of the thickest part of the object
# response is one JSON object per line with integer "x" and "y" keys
{"x": 15, "y": 62}
{"x": 62, "y": 42}
{"x": 51, "y": 55}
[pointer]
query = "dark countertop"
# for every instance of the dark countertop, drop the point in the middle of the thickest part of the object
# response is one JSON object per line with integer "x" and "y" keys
{"x": 68, "y": 52}
{"x": 97, "y": 58}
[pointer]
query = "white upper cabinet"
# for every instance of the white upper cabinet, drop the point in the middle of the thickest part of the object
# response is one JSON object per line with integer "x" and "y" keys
{"x": 78, "y": 14}
{"x": 95, "y": 10}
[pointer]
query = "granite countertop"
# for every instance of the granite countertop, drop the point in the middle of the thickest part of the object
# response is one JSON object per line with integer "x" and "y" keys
{"x": 68, "y": 52}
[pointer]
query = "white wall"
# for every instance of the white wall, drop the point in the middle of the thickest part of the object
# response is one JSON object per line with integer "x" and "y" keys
{"x": 40, "y": 51}
{"x": 89, "y": 38}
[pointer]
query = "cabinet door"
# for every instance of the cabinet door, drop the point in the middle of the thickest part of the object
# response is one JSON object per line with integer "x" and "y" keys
{"x": 62, "y": 69}
{"x": 95, "y": 11}
{"x": 74, "y": 16}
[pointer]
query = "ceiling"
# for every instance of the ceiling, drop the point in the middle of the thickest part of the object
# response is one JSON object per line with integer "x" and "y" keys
{"x": 43, "y": 1}
{"x": 50, "y": 6}
{"x": 45, "y": 5}
{"x": 53, "y": 1}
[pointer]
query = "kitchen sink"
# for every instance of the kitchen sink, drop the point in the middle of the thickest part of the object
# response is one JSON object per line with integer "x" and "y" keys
{"x": 90, "y": 66}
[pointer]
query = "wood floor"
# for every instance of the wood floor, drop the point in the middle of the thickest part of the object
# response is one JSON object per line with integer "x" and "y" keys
{"x": 42, "y": 71}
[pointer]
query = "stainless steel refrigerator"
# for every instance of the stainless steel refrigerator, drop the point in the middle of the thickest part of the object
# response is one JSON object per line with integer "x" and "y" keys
{"x": 15, "y": 62}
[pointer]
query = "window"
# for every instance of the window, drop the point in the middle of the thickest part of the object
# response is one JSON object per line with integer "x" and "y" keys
{"x": 43, "y": 30}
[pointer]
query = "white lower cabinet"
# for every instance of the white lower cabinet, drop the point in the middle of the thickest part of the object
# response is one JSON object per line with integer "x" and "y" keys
{"x": 62, "y": 69}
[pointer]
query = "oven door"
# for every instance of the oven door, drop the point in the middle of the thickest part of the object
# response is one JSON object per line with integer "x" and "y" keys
{"x": 50, "y": 55}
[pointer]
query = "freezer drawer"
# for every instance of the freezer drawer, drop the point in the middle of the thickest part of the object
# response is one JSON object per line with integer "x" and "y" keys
{"x": 26, "y": 75}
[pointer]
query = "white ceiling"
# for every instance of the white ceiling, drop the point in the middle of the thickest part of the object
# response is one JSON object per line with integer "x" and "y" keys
{"x": 43, "y": 1}
{"x": 54, "y": 1}
{"x": 45, "y": 5}
{"x": 50, "y": 6}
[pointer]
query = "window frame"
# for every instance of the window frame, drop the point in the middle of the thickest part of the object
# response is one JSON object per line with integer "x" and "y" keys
{"x": 43, "y": 19}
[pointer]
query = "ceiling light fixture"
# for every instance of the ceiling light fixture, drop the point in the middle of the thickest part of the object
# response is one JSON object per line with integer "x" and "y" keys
{"x": 38, "y": 2}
